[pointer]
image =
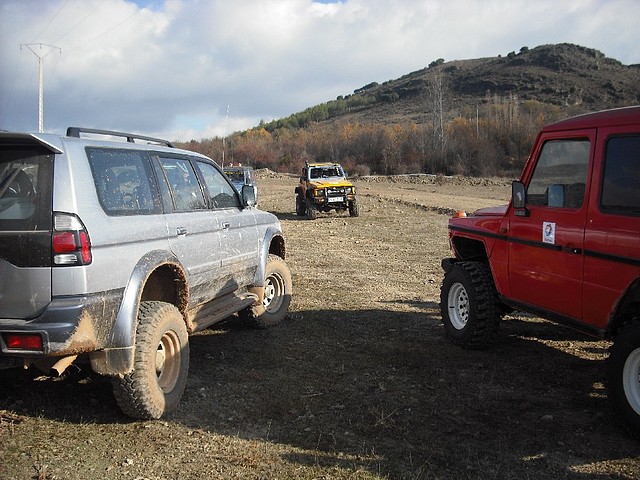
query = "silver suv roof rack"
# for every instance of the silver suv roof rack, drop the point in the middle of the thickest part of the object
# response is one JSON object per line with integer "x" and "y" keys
{"x": 131, "y": 137}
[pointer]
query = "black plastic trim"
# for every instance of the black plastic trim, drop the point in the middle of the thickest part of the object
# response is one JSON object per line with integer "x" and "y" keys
{"x": 550, "y": 246}
{"x": 479, "y": 232}
{"x": 556, "y": 317}
{"x": 613, "y": 258}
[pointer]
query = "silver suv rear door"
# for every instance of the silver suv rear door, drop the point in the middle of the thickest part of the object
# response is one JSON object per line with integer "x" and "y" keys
{"x": 26, "y": 179}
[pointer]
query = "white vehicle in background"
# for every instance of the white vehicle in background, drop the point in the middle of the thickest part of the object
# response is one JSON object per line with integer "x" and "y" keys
{"x": 241, "y": 176}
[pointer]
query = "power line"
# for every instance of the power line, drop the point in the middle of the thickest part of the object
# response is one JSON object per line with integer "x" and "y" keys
{"x": 74, "y": 47}
{"x": 108, "y": 30}
{"x": 40, "y": 77}
{"x": 224, "y": 134}
{"x": 52, "y": 19}
{"x": 77, "y": 24}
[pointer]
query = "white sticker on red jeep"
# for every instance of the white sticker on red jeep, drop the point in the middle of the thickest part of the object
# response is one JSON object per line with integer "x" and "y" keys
{"x": 548, "y": 232}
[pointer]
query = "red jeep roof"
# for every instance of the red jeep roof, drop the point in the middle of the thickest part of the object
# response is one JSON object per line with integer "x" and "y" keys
{"x": 616, "y": 116}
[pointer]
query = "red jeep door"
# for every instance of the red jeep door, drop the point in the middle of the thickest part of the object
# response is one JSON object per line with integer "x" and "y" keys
{"x": 612, "y": 246}
{"x": 546, "y": 257}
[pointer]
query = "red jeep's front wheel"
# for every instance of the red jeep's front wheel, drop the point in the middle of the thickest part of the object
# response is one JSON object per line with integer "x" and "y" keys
{"x": 469, "y": 305}
{"x": 623, "y": 373}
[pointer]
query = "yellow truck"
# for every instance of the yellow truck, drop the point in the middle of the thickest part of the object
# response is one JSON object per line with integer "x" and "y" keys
{"x": 324, "y": 187}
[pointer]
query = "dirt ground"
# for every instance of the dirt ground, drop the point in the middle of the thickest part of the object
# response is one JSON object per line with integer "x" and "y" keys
{"x": 357, "y": 383}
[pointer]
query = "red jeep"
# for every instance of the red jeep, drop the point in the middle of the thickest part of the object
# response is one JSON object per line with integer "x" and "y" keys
{"x": 566, "y": 248}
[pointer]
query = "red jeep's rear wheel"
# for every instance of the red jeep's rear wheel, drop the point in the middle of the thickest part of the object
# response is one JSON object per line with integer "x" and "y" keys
{"x": 623, "y": 373}
{"x": 469, "y": 305}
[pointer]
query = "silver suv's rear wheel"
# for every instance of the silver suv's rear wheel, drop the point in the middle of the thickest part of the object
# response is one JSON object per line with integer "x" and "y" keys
{"x": 161, "y": 363}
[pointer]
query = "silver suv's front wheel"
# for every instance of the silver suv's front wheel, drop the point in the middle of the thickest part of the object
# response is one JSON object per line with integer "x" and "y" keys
{"x": 276, "y": 295}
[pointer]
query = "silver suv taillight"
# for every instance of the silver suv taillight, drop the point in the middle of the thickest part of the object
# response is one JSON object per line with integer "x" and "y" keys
{"x": 70, "y": 241}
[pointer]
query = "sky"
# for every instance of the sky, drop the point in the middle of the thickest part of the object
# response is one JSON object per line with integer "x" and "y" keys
{"x": 197, "y": 69}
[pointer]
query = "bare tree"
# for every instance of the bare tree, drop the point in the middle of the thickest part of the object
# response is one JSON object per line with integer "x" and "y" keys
{"x": 437, "y": 91}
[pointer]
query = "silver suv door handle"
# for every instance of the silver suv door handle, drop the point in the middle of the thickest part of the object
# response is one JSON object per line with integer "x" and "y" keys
{"x": 181, "y": 231}
{"x": 225, "y": 225}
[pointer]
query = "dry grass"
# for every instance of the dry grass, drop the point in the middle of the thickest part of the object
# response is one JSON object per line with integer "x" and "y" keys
{"x": 358, "y": 382}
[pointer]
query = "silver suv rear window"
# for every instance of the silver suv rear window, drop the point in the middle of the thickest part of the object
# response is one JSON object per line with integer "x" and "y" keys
{"x": 26, "y": 179}
{"x": 25, "y": 183}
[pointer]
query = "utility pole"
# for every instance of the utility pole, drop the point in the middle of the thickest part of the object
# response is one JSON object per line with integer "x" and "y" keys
{"x": 224, "y": 134}
{"x": 40, "y": 77}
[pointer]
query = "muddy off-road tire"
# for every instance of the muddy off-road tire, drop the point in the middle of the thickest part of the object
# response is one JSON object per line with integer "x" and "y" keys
{"x": 469, "y": 305}
{"x": 312, "y": 210}
{"x": 161, "y": 363}
{"x": 623, "y": 375}
{"x": 301, "y": 208}
{"x": 277, "y": 296}
{"x": 354, "y": 210}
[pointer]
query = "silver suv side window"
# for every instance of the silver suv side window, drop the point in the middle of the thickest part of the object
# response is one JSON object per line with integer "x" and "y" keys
{"x": 621, "y": 183}
{"x": 185, "y": 189}
{"x": 560, "y": 174}
{"x": 221, "y": 193}
{"x": 122, "y": 181}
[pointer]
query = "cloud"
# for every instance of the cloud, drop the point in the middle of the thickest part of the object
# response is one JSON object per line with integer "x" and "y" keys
{"x": 174, "y": 68}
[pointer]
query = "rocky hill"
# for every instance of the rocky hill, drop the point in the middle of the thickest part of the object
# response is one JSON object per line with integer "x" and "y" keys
{"x": 563, "y": 75}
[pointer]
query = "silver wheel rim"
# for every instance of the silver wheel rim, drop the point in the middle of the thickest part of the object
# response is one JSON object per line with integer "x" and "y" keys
{"x": 273, "y": 293}
{"x": 458, "y": 304}
{"x": 631, "y": 379}
{"x": 167, "y": 364}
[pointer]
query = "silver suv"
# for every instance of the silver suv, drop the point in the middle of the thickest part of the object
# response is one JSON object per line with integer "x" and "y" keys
{"x": 114, "y": 251}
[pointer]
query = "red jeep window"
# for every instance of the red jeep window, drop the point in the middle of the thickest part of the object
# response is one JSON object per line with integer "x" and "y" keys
{"x": 621, "y": 182}
{"x": 560, "y": 174}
